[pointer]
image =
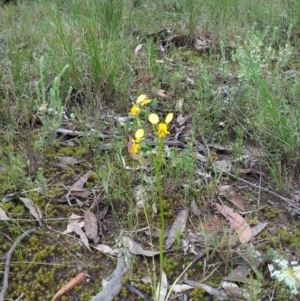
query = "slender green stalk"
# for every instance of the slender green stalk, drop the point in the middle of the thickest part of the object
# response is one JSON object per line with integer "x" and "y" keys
{"x": 158, "y": 163}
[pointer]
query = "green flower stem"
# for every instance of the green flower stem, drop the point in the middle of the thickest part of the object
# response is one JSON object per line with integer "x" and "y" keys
{"x": 158, "y": 165}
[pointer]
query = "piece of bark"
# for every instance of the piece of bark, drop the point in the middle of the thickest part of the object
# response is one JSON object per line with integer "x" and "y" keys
{"x": 114, "y": 286}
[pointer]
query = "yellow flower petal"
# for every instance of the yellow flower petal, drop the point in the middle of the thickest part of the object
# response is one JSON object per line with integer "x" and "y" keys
{"x": 134, "y": 110}
{"x": 139, "y": 134}
{"x": 135, "y": 148}
{"x": 153, "y": 118}
{"x": 169, "y": 118}
{"x": 162, "y": 130}
{"x": 141, "y": 98}
{"x": 145, "y": 102}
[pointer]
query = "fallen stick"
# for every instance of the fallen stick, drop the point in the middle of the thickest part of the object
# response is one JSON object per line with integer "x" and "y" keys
{"x": 8, "y": 258}
{"x": 136, "y": 292}
{"x": 20, "y": 297}
{"x": 69, "y": 286}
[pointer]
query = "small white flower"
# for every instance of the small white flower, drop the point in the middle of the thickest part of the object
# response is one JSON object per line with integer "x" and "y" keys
{"x": 290, "y": 276}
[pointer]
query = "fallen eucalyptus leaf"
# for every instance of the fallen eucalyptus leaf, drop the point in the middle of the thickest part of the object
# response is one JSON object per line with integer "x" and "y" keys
{"x": 177, "y": 228}
{"x": 234, "y": 291}
{"x": 33, "y": 209}
{"x": 237, "y": 221}
{"x": 69, "y": 160}
{"x": 231, "y": 196}
{"x": 107, "y": 250}
{"x": 82, "y": 235}
{"x": 137, "y": 249}
{"x": 162, "y": 288}
{"x": 3, "y": 216}
{"x": 180, "y": 288}
{"x": 90, "y": 224}
{"x": 239, "y": 274}
{"x": 10, "y": 197}
{"x": 74, "y": 220}
{"x": 258, "y": 228}
{"x": 195, "y": 209}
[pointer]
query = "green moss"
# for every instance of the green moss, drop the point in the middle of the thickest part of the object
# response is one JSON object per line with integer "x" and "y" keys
{"x": 197, "y": 294}
{"x": 271, "y": 213}
{"x": 68, "y": 174}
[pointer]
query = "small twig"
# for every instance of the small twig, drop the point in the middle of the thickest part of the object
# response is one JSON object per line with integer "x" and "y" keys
{"x": 20, "y": 297}
{"x": 207, "y": 148}
{"x": 259, "y": 189}
{"x": 44, "y": 219}
{"x": 8, "y": 258}
{"x": 290, "y": 202}
{"x": 136, "y": 292}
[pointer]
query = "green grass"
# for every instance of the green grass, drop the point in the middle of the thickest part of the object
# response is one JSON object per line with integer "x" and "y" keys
{"x": 78, "y": 57}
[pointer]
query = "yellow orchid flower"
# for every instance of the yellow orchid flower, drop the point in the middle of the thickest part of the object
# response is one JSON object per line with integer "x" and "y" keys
{"x": 141, "y": 101}
{"x": 134, "y": 145}
{"x": 135, "y": 110}
{"x": 135, "y": 148}
{"x": 139, "y": 135}
{"x": 162, "y": 130}
{"x": 162, "y": 127}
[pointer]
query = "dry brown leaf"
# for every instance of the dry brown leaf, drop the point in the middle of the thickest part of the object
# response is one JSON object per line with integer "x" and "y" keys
{"x": 69, "y": 160}
{"x": 258, "y": 228}
{"x": 239, "y": 274}
{"x": 74, "y": 219}
{"x": 195, "y": 209}
{"x": 10, "y": 197}
{"x": 69, "y": 286}
{"x": 33, "y": 209}
{"x": 162, "y": 288}
{"x": 177, "y": 228}
{"x": 90, "y": 224}
{"x": 3, "y": 216}
{"x": 107, "y": 250}
{"x": 231, "y": 196}
{"x": 162, "y": 93}
{"x": 78, "y": 185}
{"x": 83, "y": 193}
{"x": 77, "y": 229}
{"x": 137, "y": 249}
{"x": 234, "y": 291}
{"x": 237, "y": 221}
{"x": 77, "y": 190}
